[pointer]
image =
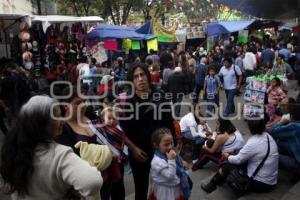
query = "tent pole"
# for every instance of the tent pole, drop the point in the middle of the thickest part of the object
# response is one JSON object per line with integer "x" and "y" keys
{"x": 5, "y": 36}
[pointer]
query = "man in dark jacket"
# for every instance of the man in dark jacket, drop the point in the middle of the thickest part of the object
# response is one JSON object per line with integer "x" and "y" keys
{"x": 148, "y": 114}
{"x": 165, "y": 58}
{"x": 176, "y": 87}
{"x": 267, "y": 56}
{"x": 201, "y": 72}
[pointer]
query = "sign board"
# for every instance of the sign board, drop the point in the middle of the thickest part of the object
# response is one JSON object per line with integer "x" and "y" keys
{"x": 195, "y": 32}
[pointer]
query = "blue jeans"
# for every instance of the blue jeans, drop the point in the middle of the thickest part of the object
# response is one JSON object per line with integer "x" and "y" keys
{"x": 197, "y": 91}
{"x": 211, "y": 108}
{"x": 230, "y": 108}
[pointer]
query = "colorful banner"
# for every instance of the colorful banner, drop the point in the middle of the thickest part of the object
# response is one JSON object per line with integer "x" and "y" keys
{"x": 135, "y": 45}
{"x": 195, "y": 32}
{"x": 126, "y": 44}
{"x": 164, "y": 34}
{"x": 111, "y": 45}
{"x": 152, "y": 44}
{"x": 243, "y": 37}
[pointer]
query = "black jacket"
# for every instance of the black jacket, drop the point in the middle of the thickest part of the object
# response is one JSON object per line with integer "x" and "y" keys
{"x": 140, "y": 127}
{"x": 176, "y": 83}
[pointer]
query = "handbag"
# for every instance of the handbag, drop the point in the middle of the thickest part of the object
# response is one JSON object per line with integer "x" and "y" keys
{"x": 239, "y": 181}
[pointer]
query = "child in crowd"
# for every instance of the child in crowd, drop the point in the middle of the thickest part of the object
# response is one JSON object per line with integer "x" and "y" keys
{"x": 110, "y": 133}
{"x": 167, "y": 175}
{"x": 275, "y": 92}
{"x": 282, "y": 113}
{"x": 155, "y": 75}
{"x": 275, "y": 96}
{"x": 212, "y": 85}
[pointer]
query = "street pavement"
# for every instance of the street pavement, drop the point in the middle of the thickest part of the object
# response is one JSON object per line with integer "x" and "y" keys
{"x": 286, "y": 189}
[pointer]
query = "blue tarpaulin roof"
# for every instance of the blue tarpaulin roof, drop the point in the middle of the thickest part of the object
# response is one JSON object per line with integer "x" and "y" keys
{"x": 224, "y": 27}
{"x": 105, "y": 31}
{"x": 268, "y": 9}
{"x": 145, "y": 29}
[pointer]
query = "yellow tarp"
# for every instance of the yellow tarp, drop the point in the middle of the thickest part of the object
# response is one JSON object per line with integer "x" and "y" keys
{"x": 152, "y": 44}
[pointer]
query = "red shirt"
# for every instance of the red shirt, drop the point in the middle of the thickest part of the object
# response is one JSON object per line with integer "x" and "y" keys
{"x": 155, "y": 77}
{"x": 103, "y": 87}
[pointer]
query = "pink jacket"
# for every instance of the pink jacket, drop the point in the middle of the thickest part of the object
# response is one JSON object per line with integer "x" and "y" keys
{"x": 275, "y": 95}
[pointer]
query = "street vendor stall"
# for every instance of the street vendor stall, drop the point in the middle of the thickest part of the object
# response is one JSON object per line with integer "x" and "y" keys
{"x": 256, "y": 93}
{"x": 47, "y": 20}
{"x": 9, "y": 28}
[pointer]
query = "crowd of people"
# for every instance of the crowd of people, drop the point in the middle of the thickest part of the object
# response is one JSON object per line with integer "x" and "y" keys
{"x": 67, "y": 141}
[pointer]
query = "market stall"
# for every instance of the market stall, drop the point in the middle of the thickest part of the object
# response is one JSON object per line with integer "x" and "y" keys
{"x": 9, "y": 28}
{"x": 256, "y": 93}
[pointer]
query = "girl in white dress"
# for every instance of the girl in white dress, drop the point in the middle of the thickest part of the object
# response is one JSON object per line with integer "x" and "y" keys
{"x": 168, "y": 180}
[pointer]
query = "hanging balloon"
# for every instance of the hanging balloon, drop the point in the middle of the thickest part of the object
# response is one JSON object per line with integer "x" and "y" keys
{"x": 23, "y": 26}
{"x": 24, "y": 36}
{"x": 27, "y": 56}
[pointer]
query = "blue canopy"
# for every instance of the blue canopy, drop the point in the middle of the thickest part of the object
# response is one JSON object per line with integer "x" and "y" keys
{"x": 268, "y": 9}
{"x": 105, "y": 31}
{"x": 145, "y": 29}
{"x": 225, "y": 27}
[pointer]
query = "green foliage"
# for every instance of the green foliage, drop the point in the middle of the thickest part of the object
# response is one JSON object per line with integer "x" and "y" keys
{"x": 79, "y": 7}
{"x": 118, "y": 11}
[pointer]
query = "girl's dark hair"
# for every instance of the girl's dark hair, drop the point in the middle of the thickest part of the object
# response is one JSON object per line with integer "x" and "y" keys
{"x": 278, "y": 82}
{"x": 71, "y": 92}
{"x": 158, "y": 134}
{"x": 257, "y": 127}
{"x": 142, "y": 67}
{"x": 30, "y": 130}
{"x": 228, "y": 59}
{"x": 226, "y": 126}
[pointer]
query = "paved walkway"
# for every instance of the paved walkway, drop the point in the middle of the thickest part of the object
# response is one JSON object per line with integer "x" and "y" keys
{"x": 285, "y": 190}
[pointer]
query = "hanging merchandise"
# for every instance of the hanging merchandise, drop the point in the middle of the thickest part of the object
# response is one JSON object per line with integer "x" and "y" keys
{"x": 195, "y": 32}
{"x": 163, "y": 33}
{"x": 23, "y": 26}
{"x": 135, "y": 45}
{"x": 99, "y": 53}
{"x": 152, "y": 44}
{"x": 111, "y": 45}
{"x": 253, "y": 111}
{"x": 243, "y": 37}
{"x": 24, "y": 36}
{"x": 126, "y": 44}
{"x": 27, "y": 56}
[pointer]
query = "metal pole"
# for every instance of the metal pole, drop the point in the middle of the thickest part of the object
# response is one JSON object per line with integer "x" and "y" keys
{"x": 5, "y": 36}
{"x": 38, "y": 2}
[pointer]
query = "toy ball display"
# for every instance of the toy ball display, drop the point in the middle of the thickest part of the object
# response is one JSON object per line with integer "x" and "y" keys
{"x": 24, "y": 36}
{"x": 23, "y": 26}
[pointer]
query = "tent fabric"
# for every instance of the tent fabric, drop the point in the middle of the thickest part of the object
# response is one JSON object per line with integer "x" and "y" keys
{"x": 145, "y": 29}
{"x": 48, "y": 19}
{"x": 225, "y": 27}
{"x": 105, "y": 31}
{"x": 181, "y": 35}
{"x": 262, "y": 24}
{"x": 64, "y": 18}
{"x": 267, "y": 9}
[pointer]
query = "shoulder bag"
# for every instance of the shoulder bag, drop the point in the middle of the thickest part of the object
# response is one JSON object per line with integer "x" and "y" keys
{"x": 238, "y": 179}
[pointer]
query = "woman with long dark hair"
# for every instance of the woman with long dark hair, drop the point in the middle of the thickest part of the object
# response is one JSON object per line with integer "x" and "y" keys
{"x": 34, "y": 166}
{"x": 260, "y": 150}
{"x": 228, "y": 139}
{"x": 138, "y": 129}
